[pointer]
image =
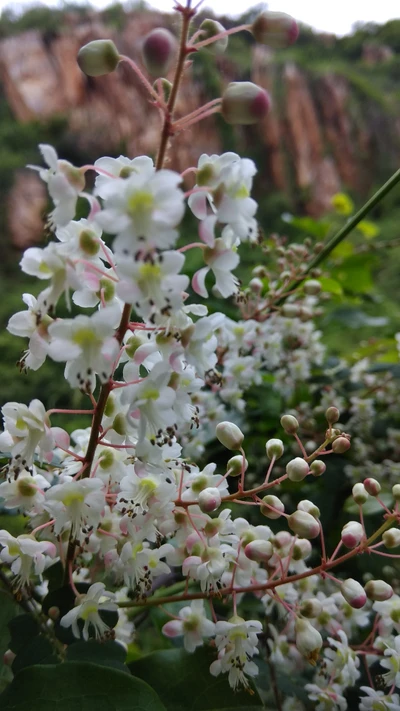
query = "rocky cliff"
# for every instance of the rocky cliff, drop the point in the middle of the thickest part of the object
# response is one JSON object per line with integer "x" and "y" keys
{"x": 324, "y": 133}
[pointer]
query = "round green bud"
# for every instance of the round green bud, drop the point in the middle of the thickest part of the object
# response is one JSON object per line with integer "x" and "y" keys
{"x": 235, "y": 465}
{"x": 275, "y": 29}
{"x": 317, "y": 467}
{"x": 360, "y": 494}
{"x": 244, "y": 103}
{"x": 229, "y": 435}
{"x": 211, "y": 28}
{"x": 297, "y": 469}
{"x": 332, "y": 415}
{"x": 274, "y": 448}
{"x": 312, "y": 287}
{"x": 341, "y": 445}
{"x": 98, "y": 57}
{"x": 271, "y": 500}
{"x": 289, "y": 424}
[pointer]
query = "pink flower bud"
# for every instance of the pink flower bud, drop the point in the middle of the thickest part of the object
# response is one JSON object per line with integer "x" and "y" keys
{"x": 211, "y": 28}
{"x": 308, "y": 640}
{"x": 311, "y": 608}
{"x": 274, "y": 448}
{"x": 332, "y": 415}
{"x": 209, "y": 499}
{"x": 353, "y": 593}
{"x": 235, "y": 465}
{"x": 98, "y": 57}
{"x": 352, "y": 533}
{"x": 158, "y": 51}
{"x": 283, "y": 539}
{"x": 308, "y": 506}
{"x": 297, "y": 469}
{"x": 229, "y": 435}
{"x": 312, "y": 287}
{"x": 259, "y": 551}
{"x": 271, "y": 500}
{"x": 391, "y": 538}
{"x": 289, "y": 424}
{"x": 244, "y": 103}
{"x": 372, "y": 486}
{"x": 378, "y": 590}
{"x": 360, "y": 494}
{"x": 341, "y": 445}
{"x": 276, "y": 29}
{"x": 304, "y": 524}
{"x": 317, "y": 467}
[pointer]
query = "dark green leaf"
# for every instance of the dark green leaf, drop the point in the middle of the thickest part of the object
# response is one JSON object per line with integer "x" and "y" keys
{"x": 22, "y": 629}
{"x": 107, "y": 654}
{"x": 184, "y": 683}
{"x": 80, "y": 686}
{"x": 8, "y": 610}
{"x": 54, "y": 574}
{"x": 37, "y": 651}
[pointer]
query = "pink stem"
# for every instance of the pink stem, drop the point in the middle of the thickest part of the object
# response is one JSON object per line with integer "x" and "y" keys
{"x": 84, "y": 168}
{"x": 58, "y": 411}
{"x": 270, "y": 468}
{"x": 225, "y": 33}
{"x": 183, "y": 124}
{"x": 191, "y": 246}
{"x": 142, "y": 78}
{"x": 91, "y": 266}
{"x": 197, "y": 112}
{"x": 44, "y": 525}
{"x": 298, "y": 440}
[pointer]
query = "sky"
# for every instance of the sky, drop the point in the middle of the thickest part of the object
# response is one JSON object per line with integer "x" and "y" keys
{"x": 337, "y": 16}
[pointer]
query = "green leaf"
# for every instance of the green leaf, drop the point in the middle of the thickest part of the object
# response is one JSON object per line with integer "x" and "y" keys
{"x": 37, "y": 651}
{"x": 78, "y": 685}
{"x": 107, "y": 654}
{"x": 371, "y": 507}
{"x": 8, "y": 610}
{"x": 331, "y": 286}
{"x": 184, "y": 683}
{"x": 22, "y": 629}
{"x": 315, "y": 228}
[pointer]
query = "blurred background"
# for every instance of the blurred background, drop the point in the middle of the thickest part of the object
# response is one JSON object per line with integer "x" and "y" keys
{"x": 334, "y": 128}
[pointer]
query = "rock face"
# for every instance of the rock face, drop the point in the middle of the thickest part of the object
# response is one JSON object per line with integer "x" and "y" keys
{"x": 310, "y": 145}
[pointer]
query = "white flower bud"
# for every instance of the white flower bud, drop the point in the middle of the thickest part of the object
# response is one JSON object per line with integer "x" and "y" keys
{"x": 391, "y": 538}
{"x": 244, "y": 103}
{"x": 259, "y": 551}
{"x": 317, "y": 467}
{"x": 341, "y": 445}
{"x": 274, "y": 448}
{"x": 311, "y": 608}
{"x": 308, "y": 640}
{"x": 378, "y": 590}
{"x": 360, "y": 494}
{"x": 312, "y": 287}
{"x": 276, "y": 29}
{"x": 229, "y": 435}
{"x": 283, "y": 539}
{"x": 290, "y": 311}
{"x": 256, "y": 285}
{"x": 372, "y": 486}
{"x": 396, "y": 492}
{"x": 297, "y": 469}
{"x": 304, "y": 524}
{"x": 289, "y": 424}
{"x": 209, "y": 499}
{"x": 271, "y": 500}
{"x": 352, "y": 533}
{"x": 158, "y": 51}
{"x": 235, "y": 465}
{"x": 98, "y": 57}
{"x": 332, "y": 415}
{"x": 211, "y": 28}
{"x": 308, "y": 506}
{"x": 302, "y": 549}
{"x": 353, "y": 593}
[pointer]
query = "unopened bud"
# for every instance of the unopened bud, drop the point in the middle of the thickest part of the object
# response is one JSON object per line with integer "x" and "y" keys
{"x": 302, "y": 549}
{"x": 312, "y": 287}
{"x": 308, "y": 506}
{"x": 165, "y": 85}
{"x": 308, "y": 640}
{"x": 352, "y": 533}
{"x": 311, "y": 608}
{"x": 332, "y": 415}
{"x": 244, "y": 103}
{"x": 235, "y": 465}
{"x": 209, "y": 29}
{"x": 341, "y": 445}
{"x": 372, "y": 486}
{"x": 289, "y": 424}
{"x": 256, "y": 285}
{"x": 317, "y": 467}
{"x": 305, "y": 314}
{"x": 297, "y": 469}
{"x": 276, "y": 29}
{"x": 378, "y": 590}
{"x": 229, "y": 435}
{"x": 259, "y": 551}
{"x": 53, "y": 613}
{"x": 353, "y": 593}
{"x": 396, "y": 492}
{"x": 8, "y": 657}
{"x": 391, "y": 538}
{"x": 209, "y": 499}
{"x": 98, "y": 57}
{"x": 274, "y": 448}
{"x": 360, "y": 494}
{"x": 305, "y": 525}
{"x": 277, "y": 507}
{"x": 290, "y": 310}
{"x": 158, "y": 51}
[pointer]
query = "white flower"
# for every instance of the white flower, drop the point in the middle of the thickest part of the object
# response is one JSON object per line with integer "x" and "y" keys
{"x": 378, "y": 700}
{"x": 141, "y": 564}
{"x": 193, "y": 625}
{"x": 138, "y": 493}
{"x": 221, "y": 259}
{"x": 75, "y": 504}
{"x": 236, "y": 641}
{"x": 25, "y": 492}
{"x": 33, "y": 325}
{"x": 88, "y": 346}
{"x": 26, "y": 556}
{"x": 143, "y": 211}
{"x": 207, "y": 568}
{"x": 25, "y": 430}
{"x": 330, "y": 698}
{"x": 88, "y": 610}
{"x": 342, "y": 664}
{"x": 65, "y": 184}
{"x": 392, "y": 677}
{"x": 121, "y": 167}
{"x": 152, "y": 401}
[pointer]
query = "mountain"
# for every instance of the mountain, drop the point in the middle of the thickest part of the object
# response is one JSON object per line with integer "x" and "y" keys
{"x": 334, "y": 125}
